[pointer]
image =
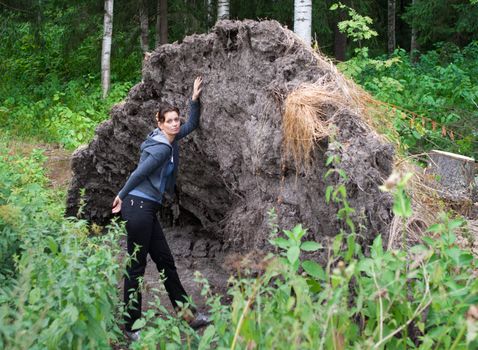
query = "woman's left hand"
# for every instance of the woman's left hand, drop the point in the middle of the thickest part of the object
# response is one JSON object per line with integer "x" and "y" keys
{"x": 117, "y": 205}
{"x": 197, "y": 88}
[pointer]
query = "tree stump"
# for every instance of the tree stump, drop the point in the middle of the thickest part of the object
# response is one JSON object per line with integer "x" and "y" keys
{"x": 456, "y": 172}
{"x": 455, "y": 177}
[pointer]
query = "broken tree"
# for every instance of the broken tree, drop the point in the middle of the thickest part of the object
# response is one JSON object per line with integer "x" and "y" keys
{"x": 233, "y": 169}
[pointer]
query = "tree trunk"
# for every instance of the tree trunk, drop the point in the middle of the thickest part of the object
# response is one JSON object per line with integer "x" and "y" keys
{"x": 157, "y": 32}
{"x": 163, "y": 21}
{"x": 106, "y": 49}
{"x": 209, "y": 13}
{"x": 413, "y": 42}
{"x": 222, "y": 9}
{"x": 143, "y": 24}
{"x": 391, "y": 26}
{"x": 37, "y": 28}
{"x": 340, "y": 39}
{"x": 456, "y": 173}
{"x": 303, "y": 19}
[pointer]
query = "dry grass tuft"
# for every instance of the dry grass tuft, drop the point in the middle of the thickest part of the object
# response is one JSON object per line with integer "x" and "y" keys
{"x": 305, "y": 122}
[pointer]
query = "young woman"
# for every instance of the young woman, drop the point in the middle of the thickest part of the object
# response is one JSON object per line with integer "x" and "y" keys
{"x": 139, "y": 200}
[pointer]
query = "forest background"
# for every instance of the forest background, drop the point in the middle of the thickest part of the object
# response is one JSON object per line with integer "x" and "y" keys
{"x": 52, "y": 295}
{"x": 50, "y": 59}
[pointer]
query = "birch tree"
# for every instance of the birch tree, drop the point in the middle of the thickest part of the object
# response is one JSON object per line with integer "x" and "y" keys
{"x": 391, "y": 26}
{"x": 222, "y": 9}
{"x": 143, "y": 24}
{"x": 303, "y": 19}
{"x": 106, "y": 49}
{"x": 209, "y": 12}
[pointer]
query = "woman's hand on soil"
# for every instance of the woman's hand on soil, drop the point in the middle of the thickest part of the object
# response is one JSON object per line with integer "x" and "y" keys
{"x": 197, "y": 88}
{"x": 117, "y": 205}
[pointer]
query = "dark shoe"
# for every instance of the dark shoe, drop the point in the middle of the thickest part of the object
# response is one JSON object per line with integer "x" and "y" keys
{"x": 199, "y": 321}
{"x": 133, "y": 335}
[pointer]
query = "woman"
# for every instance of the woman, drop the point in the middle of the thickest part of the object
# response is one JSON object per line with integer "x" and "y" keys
{"x": 139, "y": 200}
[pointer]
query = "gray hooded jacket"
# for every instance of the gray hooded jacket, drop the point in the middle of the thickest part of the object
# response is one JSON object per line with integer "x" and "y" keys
{"x": 156, "y": 172}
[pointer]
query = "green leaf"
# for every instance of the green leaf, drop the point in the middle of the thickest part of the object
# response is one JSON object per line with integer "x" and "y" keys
{"x": 139, "y": 323}
{"x": 314, "y": 269}
{"x": 337, "y": 243}
{"x": 328, "y": 192}
{"x": 280, "y": 242}
{"x": 293, "y": 254}
{"x": 310, "y": 246}
{"x": 52, "y": 245}
{"x": 34, "y": 296}
{"x": 460, "y": 257}
{"x": 436, "y": 228}
{"x": 401, "y": 205}
{"x": 298, "y": 232}
{"x": 350, "y": 247}
{"x": 454, "y": 224}
{"x": 334, "y": 7}
{"x": 377, "y": 248}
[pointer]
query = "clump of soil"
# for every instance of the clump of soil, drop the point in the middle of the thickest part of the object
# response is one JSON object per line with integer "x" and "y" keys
{"x": 233, "y": 170}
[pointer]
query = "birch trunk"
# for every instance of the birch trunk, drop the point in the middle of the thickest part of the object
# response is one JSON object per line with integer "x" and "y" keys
{"x": 222, "y": 9}
{"x": 143, "y": 24}
{"x": 303, "y": 19}
{"x": 106, "y": 49}
{"x": 391, "y": 26}
{"x": 209, "y": 12}
{"x": 163, "y": 21}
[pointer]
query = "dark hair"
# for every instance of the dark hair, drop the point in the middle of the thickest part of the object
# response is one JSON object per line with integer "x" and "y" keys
{"x": 160, "y": 116}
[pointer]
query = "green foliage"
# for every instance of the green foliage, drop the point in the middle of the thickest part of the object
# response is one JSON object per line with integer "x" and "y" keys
{"x": 52, "y": 93}
{"x": 58, "y": 285}
{"x": 396, "y": 299}
{"x": 442, "y": 87}
{"x": 392, "y": 299}
{"x": 357, "y": 27}
{"x": 443, "y": 21}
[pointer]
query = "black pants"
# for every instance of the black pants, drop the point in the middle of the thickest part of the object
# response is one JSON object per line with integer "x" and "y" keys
{"x": 144, "y": 231}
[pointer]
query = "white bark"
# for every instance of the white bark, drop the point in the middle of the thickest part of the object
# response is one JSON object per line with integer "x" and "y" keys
{"x": 106, "y": 49}
{"x": 303, "y": 19}
{"x": 143, "y": 24}
{"x": 209, "y": 12}
{"x": 222, "y": 9}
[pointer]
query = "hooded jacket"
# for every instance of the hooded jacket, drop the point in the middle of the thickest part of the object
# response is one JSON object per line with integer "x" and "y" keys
{"x": 157, "y": 169}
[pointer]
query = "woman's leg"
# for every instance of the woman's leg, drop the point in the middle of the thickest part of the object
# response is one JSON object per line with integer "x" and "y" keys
{"x": 162, "y": 257}
{"x": 139, "y": 215}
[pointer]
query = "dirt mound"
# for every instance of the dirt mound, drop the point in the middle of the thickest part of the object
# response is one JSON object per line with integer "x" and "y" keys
{"x": 232, "y": 169}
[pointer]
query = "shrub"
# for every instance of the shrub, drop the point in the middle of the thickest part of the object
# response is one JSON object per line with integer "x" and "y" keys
{"x": 58, "y": 283}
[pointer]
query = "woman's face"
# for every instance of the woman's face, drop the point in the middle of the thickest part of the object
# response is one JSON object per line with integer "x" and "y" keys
{"x": 171, "y": 123}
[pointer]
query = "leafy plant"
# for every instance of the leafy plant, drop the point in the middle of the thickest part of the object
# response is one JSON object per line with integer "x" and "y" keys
{"x": 59, "y": 285}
